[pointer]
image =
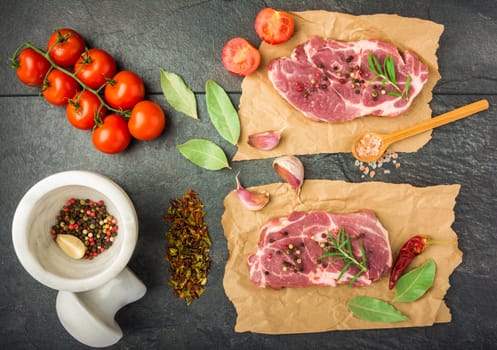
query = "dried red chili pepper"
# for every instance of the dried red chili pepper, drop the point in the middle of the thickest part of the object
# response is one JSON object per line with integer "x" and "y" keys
{"x": 412, "y": 248}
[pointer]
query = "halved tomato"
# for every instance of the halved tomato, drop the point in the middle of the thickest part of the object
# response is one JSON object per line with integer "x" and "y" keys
{"x": 240, "y": 57}
{"x": 274, "y": 27}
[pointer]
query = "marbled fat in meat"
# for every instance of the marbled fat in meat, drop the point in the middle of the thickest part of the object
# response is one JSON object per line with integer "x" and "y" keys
{"x": 290, "y": 250}
{"x": 329, "y": 80}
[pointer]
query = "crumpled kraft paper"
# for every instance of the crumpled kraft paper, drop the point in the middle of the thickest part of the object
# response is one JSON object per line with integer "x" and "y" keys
{"x": 262, "y": 108}
{"x": 404, "y": 210}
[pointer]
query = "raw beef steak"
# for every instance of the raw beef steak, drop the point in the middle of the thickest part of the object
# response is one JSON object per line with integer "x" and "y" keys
{"x": 329, "y": 80}
{"x": 291, "y": 249}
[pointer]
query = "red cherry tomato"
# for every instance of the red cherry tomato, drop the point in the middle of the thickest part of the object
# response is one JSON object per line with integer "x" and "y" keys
{"x": 65, "y": 46}
{"x": 59, "y": 88}
{"x": 112, "y": 136}
{"x": 94, "y": 67}
{"x": 240, "y": 57}
{"x": 274, "y": 27}
{"x": 147, "y": 121}
{"x": 83, "y": 108}
{"x": 31, "y": 67}
{"x": 125, "y": 90}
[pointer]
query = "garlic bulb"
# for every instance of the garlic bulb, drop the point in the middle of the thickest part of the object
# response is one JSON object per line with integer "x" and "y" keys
{"x": 252, "y": 200}
{"x": 266, "y": 140}
{"x": 290, "y": 169}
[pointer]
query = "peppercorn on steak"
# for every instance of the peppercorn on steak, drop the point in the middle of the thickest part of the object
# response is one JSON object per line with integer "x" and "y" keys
{"x": 319, "y": 248}
{"x": 336, "y": 81}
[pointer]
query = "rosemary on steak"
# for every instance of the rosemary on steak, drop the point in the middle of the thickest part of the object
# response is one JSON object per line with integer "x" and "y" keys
{"x": 188, "y": 246}
{"x": 340, "y": 249}
{"x": 386, "y": 72}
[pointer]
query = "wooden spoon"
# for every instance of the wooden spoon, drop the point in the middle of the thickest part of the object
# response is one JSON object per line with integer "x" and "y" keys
{"x": 374, "y": 145}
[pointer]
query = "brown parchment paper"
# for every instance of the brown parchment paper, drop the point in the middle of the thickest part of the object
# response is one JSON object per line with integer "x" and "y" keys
{"x": 262, "y": 108}
{"x": 404, "y": 210}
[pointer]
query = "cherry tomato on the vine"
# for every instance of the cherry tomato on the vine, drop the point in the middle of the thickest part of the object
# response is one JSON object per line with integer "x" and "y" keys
{"x": 147, "y": 121}
{"x": 83, "y": 108}
{"x": 112, "y": 136}
{"x": 31, "y": 67}
{"x": 240, "y": 57}
{"x": 65, "y": 46}
{"x": 94, "y": 67}
{"x": 125, "y": 90}
{"x": 274, "y": 27}
{"x": 59, "y": 87}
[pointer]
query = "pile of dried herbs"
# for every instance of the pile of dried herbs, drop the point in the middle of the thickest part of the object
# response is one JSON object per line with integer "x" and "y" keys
{"x": 188, "y": 246}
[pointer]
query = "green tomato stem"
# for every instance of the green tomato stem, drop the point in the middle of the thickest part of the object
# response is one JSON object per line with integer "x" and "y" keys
{"x": 125, "y": 113}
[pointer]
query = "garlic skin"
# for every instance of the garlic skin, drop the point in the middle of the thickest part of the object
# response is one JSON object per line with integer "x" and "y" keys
{"x": 71, "y": 245}
{"x": 291, "y": 170}
{"x": 266, "y": 140}
{"x": 250, "y": 199}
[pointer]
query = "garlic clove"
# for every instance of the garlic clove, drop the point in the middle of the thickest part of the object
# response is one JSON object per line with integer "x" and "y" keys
{"x": 291, "y": 170}
{"x": 252, "y": 200}
{"x": 71, "y": 245}
{"x": 266, "y": 140}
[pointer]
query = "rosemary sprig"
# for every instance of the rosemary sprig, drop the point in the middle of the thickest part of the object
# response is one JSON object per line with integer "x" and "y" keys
{"x": 341, "y": 249}
{"x": 386, "y": 72}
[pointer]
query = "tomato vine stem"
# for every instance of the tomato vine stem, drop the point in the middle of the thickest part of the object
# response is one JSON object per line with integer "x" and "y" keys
{"x": 124, "y": 113}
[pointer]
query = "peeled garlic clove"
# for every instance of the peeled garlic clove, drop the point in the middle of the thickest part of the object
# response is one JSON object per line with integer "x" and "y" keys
{"x": 266, "y": 140}
{"x": 71, "y": 245}
{"x": 290, "y": 169}
{"x": 252, "y": 200}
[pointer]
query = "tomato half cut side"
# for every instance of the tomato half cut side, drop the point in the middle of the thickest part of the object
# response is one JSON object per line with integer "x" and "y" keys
{"x": 240, "y": 57}
{"x": 274, "y": 27}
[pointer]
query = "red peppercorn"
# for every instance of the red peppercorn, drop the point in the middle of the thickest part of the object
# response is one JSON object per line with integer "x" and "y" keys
{"x": 299, "y": 87}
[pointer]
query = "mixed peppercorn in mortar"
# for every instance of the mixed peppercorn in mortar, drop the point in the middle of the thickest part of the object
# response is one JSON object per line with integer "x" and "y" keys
{"x": 90, "y": 222}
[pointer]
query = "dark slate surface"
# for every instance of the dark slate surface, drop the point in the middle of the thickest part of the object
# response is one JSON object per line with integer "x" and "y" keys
{"x": 186, "y": 37}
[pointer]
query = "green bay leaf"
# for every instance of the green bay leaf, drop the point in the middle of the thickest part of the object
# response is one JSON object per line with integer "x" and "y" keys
{"x": 178, "y": 94}
{"x": 414, "y": 284}
{"x": 204, "y": 153}
{"x": 375, "y": 310}
{"x": 223, "y": 115}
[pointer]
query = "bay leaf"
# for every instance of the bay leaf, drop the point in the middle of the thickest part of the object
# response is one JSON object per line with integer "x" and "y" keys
{"x": 223, "y": 115}
{"x": 204, "y": 153}
{"x": 375, "y": 310}
{"x": 414, "y": 284}
{"x": 178, "y": 94}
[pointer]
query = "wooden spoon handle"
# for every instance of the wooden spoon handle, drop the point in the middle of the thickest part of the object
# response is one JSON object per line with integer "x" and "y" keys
{"x": 456, "y": 114}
